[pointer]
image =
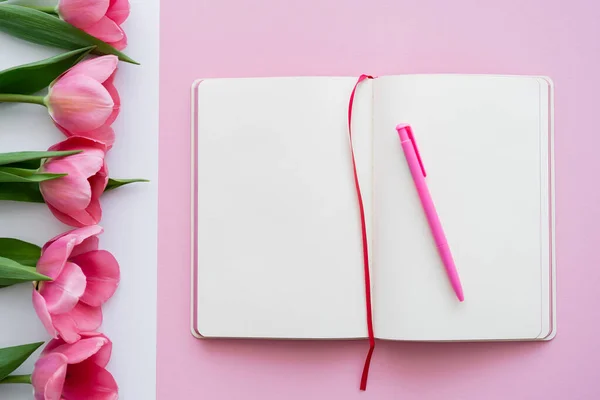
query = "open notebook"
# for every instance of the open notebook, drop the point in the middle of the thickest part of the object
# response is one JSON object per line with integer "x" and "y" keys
{"x": 277, "y": 233}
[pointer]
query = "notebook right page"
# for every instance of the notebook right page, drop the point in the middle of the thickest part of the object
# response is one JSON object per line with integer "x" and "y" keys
{"x": 484, "y": 141}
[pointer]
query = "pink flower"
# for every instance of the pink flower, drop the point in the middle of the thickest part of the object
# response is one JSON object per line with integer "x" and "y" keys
{"x": 83, "y": 278}
{"x": 99, "y": 18}
{"x": 84, "y": 101}
{"x": 75, "y": 199}
{"x": 75, "y": 371}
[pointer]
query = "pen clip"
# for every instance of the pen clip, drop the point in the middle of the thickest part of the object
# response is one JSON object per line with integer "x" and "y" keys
{"x": 414, "y": 143}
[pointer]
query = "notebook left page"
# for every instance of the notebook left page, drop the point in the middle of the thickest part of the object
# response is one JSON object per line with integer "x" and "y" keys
{"x": 277, "y": 232}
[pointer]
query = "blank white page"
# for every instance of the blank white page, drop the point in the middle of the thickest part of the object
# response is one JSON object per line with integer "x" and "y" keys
{"x": 484, "y": 144}
{"x": 279, "y": 245}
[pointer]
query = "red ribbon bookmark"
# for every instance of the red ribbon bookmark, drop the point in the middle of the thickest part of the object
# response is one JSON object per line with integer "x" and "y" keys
{"x": 365, "y": 374}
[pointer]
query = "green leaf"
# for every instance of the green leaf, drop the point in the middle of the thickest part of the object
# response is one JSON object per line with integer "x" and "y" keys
{"x": 12, "y": 357}
{"x": 30, "y": 192}
{"x": 115, "y": 183}
{"x": 31, "y": 78}
{"x": 25, "y": 192}
{"x": 19, "y": 157}
{"x": 31, "y": 164}
{"x": 12, "y": 273}
{"x": 24, "y": 253}
{"x": 41, "y": 28}
{"x": 9, "y": 174}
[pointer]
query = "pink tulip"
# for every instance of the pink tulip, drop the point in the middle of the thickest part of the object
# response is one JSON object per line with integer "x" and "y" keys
{"x": 75, "y": 371}
{"x": 75, "y": 199}
{"x": 84, "y": 101}
{"x": 83, "y": 279}
{"x": 99, "y": 18}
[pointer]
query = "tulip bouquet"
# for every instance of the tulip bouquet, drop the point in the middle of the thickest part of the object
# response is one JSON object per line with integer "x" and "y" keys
{"x": 70, "y": 277}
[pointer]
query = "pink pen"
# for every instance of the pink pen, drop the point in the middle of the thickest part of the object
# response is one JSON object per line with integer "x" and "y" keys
{"x": 417, "y": 170}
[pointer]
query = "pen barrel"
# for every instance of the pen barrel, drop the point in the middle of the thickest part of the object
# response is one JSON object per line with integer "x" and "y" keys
{"x": 433, "y": 219}
{"x": 448, "y": 261}
{"x": 423, "y": 191}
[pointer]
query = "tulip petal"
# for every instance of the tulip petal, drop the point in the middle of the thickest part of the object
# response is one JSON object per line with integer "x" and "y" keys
{"x": 82, "y": 13}
{"x": 67, "y": 194}
{"x": 93, "y": 212}
{"x": 87, "y": 163}
{"x": 73, "y": 193}
{"x": 98, "y": 183}
{"x": 114, "y": 94}
{"x": 76, "y": 236}
{"x": 118, "y": 11}
{"x": 79, "y": 103}
{"x": 78, "y": 143}
{"x": 48, "y": 376}
{"x": 102, "y": 274}
{"x": 89, "y": 381}
{"x": 39, "y": 305}
{"x": 65, "y": 219}
{"x": 82, "y": 318}
{"x": 106, "y": 30}
{"x": 104, "y": 134}
{"x": 99, "y": 68}
{"x": 78, "y": 219}
{"x": 82, "y": 349}
{"x": 58, "y": 249}
{"x": 62, "y": 294}
{"x": 89, "y": 244}
{"x": 90, "y": 216}
{"x": 121, "y": 44}
{"x": 100, "y": 358}
{"x": 54, "y": 257}
{"x": 54, "y": 343}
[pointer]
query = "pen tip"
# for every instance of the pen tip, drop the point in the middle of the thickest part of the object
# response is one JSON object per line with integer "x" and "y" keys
{"x": 401, "y": 126}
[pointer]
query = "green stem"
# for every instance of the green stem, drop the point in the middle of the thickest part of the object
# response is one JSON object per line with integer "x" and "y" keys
{"x": 26, "y": 379}
{"x": 21, "y": 98}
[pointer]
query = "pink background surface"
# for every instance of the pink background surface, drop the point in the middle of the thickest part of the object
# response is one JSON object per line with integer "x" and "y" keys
{"x": 228, "y": 38}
